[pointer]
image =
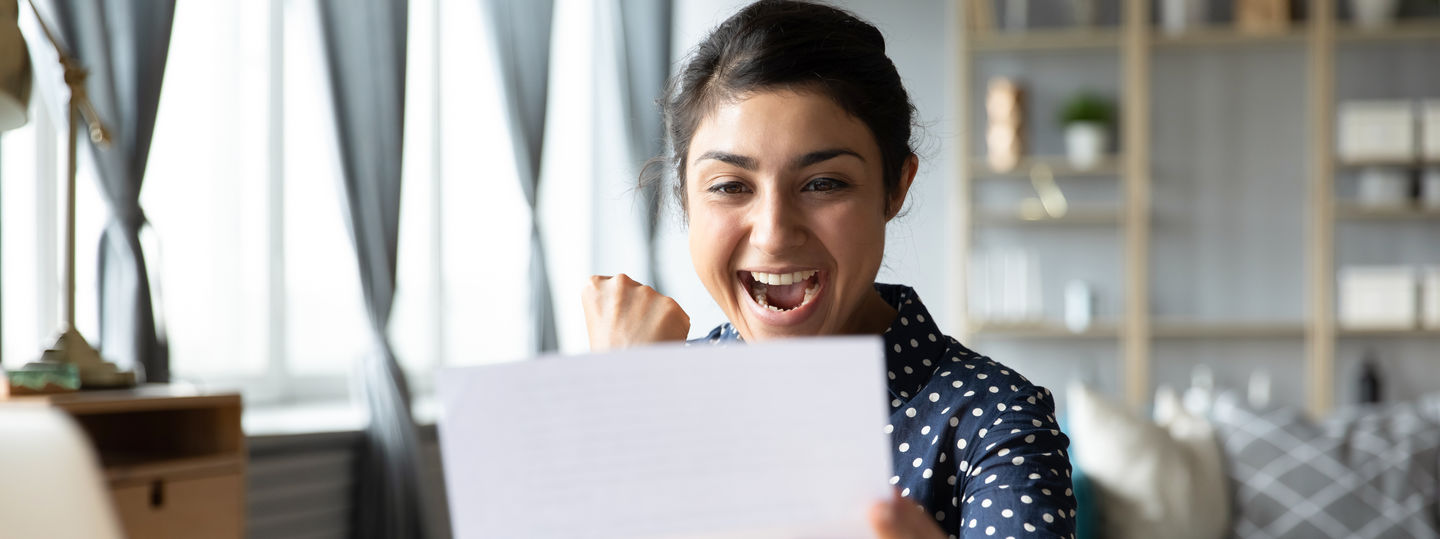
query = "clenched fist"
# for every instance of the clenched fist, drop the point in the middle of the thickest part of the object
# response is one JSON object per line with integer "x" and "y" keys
{"x": 621, "y": 313}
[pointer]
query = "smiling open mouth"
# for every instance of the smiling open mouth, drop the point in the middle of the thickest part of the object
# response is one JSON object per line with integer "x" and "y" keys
{"x": 782, "y": 292}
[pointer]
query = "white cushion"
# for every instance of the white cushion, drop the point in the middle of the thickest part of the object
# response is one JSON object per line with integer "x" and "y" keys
{"x": 1162, "y": 479}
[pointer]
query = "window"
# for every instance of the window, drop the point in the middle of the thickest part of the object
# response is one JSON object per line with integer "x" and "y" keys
{"x": 257, "y": 275}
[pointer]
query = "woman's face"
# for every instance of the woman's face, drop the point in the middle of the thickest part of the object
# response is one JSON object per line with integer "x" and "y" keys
{"x": 787, "y": 211}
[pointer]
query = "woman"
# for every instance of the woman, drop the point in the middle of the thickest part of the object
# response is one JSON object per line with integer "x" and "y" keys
{"x": 788, "y": 146}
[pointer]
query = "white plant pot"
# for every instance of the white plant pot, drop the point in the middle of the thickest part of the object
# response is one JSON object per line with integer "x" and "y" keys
{"x": 1177, "y": 16}
{"x": 1373, "y": 13}
{"x": 1085, "y": 143}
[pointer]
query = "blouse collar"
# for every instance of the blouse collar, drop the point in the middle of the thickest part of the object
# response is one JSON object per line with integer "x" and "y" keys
{"x": 914, "y": 345}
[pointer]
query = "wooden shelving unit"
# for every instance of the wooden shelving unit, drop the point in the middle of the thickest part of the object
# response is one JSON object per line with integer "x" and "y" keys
{"x": 173, "y": 457}
{"x": 1134, "y": 42}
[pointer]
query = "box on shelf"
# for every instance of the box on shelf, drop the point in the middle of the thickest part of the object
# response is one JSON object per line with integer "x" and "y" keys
{"x": 1430, "y": 130}
{"x": 1376, "y": 131}
{"x": 1430, "y": 297}
{"x": 1383, "y": 187}
{"x": 1378, "y": 297}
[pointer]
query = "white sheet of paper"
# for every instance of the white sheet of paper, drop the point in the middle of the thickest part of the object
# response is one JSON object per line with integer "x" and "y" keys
{"x": 782, "y": 440}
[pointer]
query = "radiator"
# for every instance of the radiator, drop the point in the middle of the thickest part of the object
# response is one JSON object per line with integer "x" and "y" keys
{"x": 302, "y": 486}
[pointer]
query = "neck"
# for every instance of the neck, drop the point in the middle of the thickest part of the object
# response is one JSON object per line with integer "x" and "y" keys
{"x": 874, "y": 316}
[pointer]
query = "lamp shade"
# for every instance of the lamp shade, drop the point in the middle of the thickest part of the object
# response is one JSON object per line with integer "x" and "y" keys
{"x": 14, "y": 69}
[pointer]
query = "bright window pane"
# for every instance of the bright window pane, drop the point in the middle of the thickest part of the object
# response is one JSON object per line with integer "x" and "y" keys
{"x": 205, "y": 192}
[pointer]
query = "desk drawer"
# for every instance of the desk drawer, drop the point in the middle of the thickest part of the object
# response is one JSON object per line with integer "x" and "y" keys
{"x": 211, "y": 507}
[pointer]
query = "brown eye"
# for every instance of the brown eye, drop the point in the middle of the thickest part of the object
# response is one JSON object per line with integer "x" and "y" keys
{"x": 824, "y": 184}
{"x": 728, "y": 188}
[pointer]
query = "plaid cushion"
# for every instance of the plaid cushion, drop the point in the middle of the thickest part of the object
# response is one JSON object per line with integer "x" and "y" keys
{"x": 1364, "y": 473}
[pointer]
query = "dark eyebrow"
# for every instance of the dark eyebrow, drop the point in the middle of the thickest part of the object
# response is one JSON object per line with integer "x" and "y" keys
{"x": 822, "y": 156}
{"x": 747, "y": 163}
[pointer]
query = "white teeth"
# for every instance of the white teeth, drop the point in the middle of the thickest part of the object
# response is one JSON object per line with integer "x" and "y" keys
{"x": 763, "y": 281}
{"x": 781, "y": 278}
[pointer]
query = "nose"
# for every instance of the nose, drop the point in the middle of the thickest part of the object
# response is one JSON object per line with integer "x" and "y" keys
{"x": 777, "y": 225}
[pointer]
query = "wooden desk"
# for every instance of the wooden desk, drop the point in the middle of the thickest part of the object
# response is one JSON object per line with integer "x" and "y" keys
{"x": 174, "y": 457}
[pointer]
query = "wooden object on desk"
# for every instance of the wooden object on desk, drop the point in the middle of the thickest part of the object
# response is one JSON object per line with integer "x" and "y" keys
{"x": 174, "y": 457}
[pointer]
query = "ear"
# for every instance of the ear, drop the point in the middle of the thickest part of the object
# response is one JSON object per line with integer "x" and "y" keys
{"x": 907, "y": 176}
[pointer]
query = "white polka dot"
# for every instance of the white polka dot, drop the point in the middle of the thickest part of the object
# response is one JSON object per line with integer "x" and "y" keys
{"x": 954, "y": 422}
{"x": 945, "y": 411}
{"x": 909, "y": 370}
{"x": 1069, "y": 492}
{"x": 960, "y": 444}
{"x": 934, "y": 439}
{"x": 894, "y": 479}
{"x": 898, "y": 348}
{"x": 1035, "y": 422}
{"x": 1029, "y": 527}
{"x": 956, "y": 384}
{"x": 909, "y": 412}
{"x": 919, "y": 317}
{"x": 1000, "y": 407}
{"x": 1004, "y": 451}
{"x": 905, "y": 492}
{"x": 904, "y": 447}
{"x": 905, "y": 394}
{"x": 1024, "y": 498}
{"x": 976, "y": 412}
{"x": 982, "y": 376}
{"x": 926, "y": 362}
{"x": 969, "y": 393}
{"x": 998, "y": 421}
{"x": 1029, "y": 438}
{"x": 1007, "y": 513}
{"x": 939, "y": 515}
{"x": 942, "y": 457}
{"x": 1046, "y": 517}
{"x": 989, "y": 530}
{"x": 914, "y": 343}
{"x": 927, "y": 473}
{"x": 903, "y": 321}
{"x": 982, "y": 433}
{"x": 891, "y": 374}
{"x": 985, "y": 503}
{"x": 934, "y": 397}
{"x": 925, "y": 430}
{"x": 946, "y": 373}
{"x": 918, "y": 461}
{"x": 1045, "y": 491}
{"x": 972, "y": 523}
{"x": 990, "y": 479}
{"x": 1016, "y": 461}
{"x": 994, "y": 389}
{"x": 964, "y": 465}
{"x": 889, "y": 429}
{"x": 895, "y": 403}
{"x": 950, "y": 481}
{"x": 1034, "y": 476}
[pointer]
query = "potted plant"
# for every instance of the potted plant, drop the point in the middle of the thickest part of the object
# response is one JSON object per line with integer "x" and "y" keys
{"x": 1373, "y": 14}
{"x": 1086, "y": 119}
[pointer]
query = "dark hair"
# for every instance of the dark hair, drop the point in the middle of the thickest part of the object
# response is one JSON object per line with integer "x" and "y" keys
{"x": 796, "y": 46}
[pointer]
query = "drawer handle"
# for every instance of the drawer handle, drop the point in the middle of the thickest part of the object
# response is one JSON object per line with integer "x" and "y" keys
{"x": 157, "y": 494}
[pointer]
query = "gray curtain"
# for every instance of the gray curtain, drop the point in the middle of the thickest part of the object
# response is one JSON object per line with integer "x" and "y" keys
{"x": 645, "y": 35}
{"x": 123, "y": 44}
{"x": 520, "y": 32}
{"x": 365, "y": 42}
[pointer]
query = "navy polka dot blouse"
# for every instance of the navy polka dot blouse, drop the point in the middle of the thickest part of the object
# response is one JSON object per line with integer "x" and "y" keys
{"x": 975, "y": 443}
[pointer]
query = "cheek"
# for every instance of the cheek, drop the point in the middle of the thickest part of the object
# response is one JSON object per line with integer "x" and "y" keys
{"x": 855, "y": 238}
{"x": 711, "y": 241}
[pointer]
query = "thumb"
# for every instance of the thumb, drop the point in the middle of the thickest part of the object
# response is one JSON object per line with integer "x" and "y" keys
{"x": 887, "y": 520}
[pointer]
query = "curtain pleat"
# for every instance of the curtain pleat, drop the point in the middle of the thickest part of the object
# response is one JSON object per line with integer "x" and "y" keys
{"x": 365, "y": 44}
{"x": 520, "y": 33}
{"x": 123, "y": 44}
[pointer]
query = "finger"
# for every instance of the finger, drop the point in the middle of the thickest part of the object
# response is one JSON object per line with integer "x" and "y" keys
{"x": 885, "y": 520}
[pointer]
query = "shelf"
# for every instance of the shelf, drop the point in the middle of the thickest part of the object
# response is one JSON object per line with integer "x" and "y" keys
{"x": 1227, "y": 36}
{"x": 1356, "y": 212}
{"x": 1400, "y": 31}
{"x": 1042, "y": 330}
{"x": 1387, "y": 162}
{"x": 1377, "y": 332}
{"x": 1060, "y": 167}
{"x": 1072, "y": 217}
{"x": 1178, "y": 329}
{"x": 1060, "y": 39}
